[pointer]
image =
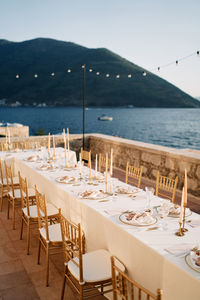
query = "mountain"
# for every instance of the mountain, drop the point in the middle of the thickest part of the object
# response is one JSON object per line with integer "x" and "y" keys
{"x": 44, "y": 56}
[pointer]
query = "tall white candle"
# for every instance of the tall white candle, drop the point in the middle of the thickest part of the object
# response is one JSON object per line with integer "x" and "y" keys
{"x": 96, "y": 162}
{"x": 49, "y": 144}
{"x": 106, "y": 175}
{"x": 185, "y": 189}
{"x": 9, "y": 136}
{"x": 68, "y": 144}
{"x": 6, "y": 136}
{"x": 54, "y": 150}
{"x": 90, "y": 167}
{"x": 111, "y": 162}
{"x": 65, "y": 152}
{"x": 181, "y": 208}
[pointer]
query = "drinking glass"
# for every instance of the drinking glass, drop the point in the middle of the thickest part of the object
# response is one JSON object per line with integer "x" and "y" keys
{"x": 149, "y": 194}
{"x": 163, "y": 213}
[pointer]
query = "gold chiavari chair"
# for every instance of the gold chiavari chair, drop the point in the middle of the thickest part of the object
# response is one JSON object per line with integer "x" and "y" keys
{"x": 167, "y": 185}
{"x": 49, "y": 234}
{"x": 85, "y": 156}
{"x": 86, "y": 272}
{"x": 102, "y": 163}
{"x": 133, "y": 173}
{"x": 14, "y": 196}
{"x": 3, "y": 186}
{"x": 29, "y": 210}
{"x": 126, "y": 288}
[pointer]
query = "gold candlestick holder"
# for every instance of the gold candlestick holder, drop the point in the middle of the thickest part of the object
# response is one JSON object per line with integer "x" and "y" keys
{"x": 180, "y": 233}
{"x": 183, "y": 228}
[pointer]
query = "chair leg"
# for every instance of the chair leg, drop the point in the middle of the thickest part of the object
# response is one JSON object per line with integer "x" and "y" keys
{"x": 8, "y": 210}
{"x": 39, "y": 246}
{"x": 21, "y": 231}
{"x": 28, "y": 237}
{"x": 13, "y": 214}
{"x": 63, "y": 286}
{"x": 1, "y": 205}
{"x": 81, "y": 292}
{"x": 47, "y": 265}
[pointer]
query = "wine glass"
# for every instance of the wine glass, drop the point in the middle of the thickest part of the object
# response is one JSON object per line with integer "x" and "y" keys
{"x": 149, "y": 194}
{"x": 163, "y": 213}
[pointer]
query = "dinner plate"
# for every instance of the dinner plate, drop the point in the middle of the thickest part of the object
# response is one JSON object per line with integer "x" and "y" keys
{"x": 122, "y": 219}
{"x": 99, "y": 196}
{"x": 190, "y": 264}
{"x": 126, "y": 191}
{"x": 67, "y": 181}
{"x": 188, "y": 213}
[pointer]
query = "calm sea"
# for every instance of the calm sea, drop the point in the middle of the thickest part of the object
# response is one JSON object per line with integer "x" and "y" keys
{"x": 179, "y": 128}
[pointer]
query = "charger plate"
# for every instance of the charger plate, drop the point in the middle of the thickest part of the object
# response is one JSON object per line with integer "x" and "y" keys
{"x": 189, "y": 263}
{"x": 132, "y": 223}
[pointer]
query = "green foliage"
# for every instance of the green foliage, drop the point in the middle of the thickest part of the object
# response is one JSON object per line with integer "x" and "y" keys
{"x": 44, "y": 56}
{"x": 40, "y": 131}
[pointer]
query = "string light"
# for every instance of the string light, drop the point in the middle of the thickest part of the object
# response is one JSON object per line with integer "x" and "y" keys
{"x": 144, "y": 73}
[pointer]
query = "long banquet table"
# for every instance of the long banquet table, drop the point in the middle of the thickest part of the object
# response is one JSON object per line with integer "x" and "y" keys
{"x": 142, "y": 251}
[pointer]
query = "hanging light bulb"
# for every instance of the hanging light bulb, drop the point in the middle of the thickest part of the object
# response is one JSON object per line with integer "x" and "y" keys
{"x": 117, "y": 76}
{"x": 36, "y": 75}
{"x": 83, "y": 66}
{"x": 17, "y": 76}
{"x": 107, "y": 75}
{"x": 53, "y": 74}
{"x": 90, "y": 70}
{"x": 129, "y": 75}
{"x": 144, "y": 74}
{"x": 97, "y": 73}
{"x": 69, "y": 70}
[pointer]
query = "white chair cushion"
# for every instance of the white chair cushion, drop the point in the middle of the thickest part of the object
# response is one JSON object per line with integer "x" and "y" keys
{"x": 51, "y": 210}
{"x": 17, "y": 194}
{"x": 15, "y": 180}
{"x": 96, "y": 266}
{"x": 54, "y": 233}
{"x": 31, "y": 193}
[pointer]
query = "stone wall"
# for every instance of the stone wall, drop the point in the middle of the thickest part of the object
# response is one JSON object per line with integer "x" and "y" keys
{"x": 169, "y": 161}
{"x": 22, "y": 131}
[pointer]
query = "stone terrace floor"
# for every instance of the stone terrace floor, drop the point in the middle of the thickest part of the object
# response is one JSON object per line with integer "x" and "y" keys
{"x": 20, "y": 276}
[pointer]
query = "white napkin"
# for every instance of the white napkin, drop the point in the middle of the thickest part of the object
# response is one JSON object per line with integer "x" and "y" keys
{"x": 180, "y": 249}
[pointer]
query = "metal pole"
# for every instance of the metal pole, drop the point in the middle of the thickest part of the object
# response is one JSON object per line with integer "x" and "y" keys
{"x": 83, "y": 67}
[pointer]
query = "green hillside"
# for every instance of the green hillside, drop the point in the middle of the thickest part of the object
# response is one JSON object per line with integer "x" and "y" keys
{"x": 44, "y": 56}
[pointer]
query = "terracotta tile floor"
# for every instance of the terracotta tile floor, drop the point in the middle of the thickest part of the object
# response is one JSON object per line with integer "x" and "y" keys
{"x": 20, "y": 276}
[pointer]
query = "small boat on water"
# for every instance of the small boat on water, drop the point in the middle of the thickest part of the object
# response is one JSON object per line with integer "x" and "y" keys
{"x": 105, "y": 118}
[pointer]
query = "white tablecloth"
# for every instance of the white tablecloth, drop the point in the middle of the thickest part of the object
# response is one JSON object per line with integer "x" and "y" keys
{"x": 143, "y": 252}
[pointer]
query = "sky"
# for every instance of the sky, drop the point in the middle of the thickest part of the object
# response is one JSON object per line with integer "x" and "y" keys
{"x": 149, "y": 33}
